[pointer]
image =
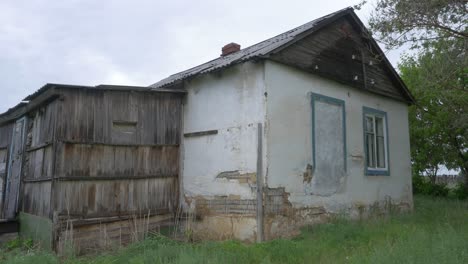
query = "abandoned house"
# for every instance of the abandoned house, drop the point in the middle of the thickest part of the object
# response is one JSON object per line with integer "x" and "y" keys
{"x": 251, "y": 145}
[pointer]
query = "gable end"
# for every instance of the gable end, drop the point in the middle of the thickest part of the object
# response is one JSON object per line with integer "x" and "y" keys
{"x": 345, "y": 52}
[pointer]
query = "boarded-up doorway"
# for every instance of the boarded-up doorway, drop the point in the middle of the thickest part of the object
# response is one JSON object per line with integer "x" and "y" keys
{"x": 14, "y": 170}
{"x": 328, "y": 143}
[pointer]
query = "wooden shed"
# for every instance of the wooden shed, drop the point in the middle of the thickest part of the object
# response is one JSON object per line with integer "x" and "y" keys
{"x": 88, "y": 167}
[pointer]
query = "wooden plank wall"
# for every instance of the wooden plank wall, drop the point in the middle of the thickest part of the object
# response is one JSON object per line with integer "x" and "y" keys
{"x": 90, "y": 116}
{"x": 117, "y": 154}
{"x": 105, "y": 180}
{"x": 5, "y": 139}
{"x": 100, "y": 153}
{"x": 39, "y": 160}
{"x": 5, "y": 134}
{"x": 341, "y": 53}
{"x": 91, "y": 161}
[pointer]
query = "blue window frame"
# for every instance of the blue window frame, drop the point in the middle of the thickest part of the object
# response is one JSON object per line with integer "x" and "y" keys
{"x": 375, "y": 130}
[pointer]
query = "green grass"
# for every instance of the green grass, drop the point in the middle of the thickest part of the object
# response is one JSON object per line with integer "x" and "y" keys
{"x": 437, "y": 232}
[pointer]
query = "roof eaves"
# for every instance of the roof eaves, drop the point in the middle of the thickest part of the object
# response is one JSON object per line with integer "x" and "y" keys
{"x": 48, "y": 86}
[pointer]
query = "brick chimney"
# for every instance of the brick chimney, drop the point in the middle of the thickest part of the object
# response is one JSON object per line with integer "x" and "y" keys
{"x": 230, "y": 48}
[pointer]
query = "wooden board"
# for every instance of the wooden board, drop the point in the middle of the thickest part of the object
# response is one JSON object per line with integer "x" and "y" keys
{"x": 90, "y": 199}
{"x": 5, "y": 134}
{"x": 36, "y": 198}
{"x": 95, "y": 160}
{"x": 94, "y": 116}
{"x": 13, "y": 178}
{"x": 341, "y": 53}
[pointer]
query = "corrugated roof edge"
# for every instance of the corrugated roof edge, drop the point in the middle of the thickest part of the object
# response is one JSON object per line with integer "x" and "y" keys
{"x": 25, "y": 104}
{"x": 14, "y": 108}
{"x": 255, "y": 51}
{"x": 100, "y": 87}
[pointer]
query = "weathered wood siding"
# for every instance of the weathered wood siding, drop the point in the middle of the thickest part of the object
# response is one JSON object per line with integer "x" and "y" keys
{"x": 5, "y": 138}
{"x": 99, "y": 155}
{"x": 91, "y": 161}
{"x": 108, "y": 180}
{"x": 38, "y": 172}
{"x": 117, "y": 153}
{"x": 94, "y": 153}
{"x": 39, "y": 160}
{"x": 36, "y": 198}
{"x": 339, "y": 52}
{"x": 5, "y": 134}
{"x": 91, "y": 199}
{"x": 119, "y": 117}
{"x": 42, "y": 124}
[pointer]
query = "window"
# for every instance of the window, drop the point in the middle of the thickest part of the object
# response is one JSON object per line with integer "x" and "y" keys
{"x": 124, "y": 132}
{"x": 375, "y": 142}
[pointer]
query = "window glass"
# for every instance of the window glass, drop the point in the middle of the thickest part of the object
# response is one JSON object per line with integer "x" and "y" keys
{"x": 369, "y": 124}
{"x": 370, "y": 150}
{"x": 379, "y": 126}
{"x": 375, "y": 140}
{"x": 380, "y": 152}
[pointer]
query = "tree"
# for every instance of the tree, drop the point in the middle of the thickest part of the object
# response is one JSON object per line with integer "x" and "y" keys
{"x": 397, "y": 22}
{"x": 437, "y": 75}
{"x": 439, "y": 121}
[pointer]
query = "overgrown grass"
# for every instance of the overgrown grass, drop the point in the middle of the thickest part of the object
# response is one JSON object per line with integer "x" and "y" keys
{"x": 437, "y": 232}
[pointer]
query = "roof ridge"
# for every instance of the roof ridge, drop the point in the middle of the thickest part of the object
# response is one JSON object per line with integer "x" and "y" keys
{"x": 246, "y": 53}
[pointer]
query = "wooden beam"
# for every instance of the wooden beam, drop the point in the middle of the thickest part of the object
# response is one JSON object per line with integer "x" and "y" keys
{"x": 79, "y": 220}
{"x": 44, "y": 145}
{"x": 37, "y": 180}
{"x": 113, "y": 178}
{"x": 260, "y": 236}
{"x": 75, "y": 142}
{"x": 201, "y": 133}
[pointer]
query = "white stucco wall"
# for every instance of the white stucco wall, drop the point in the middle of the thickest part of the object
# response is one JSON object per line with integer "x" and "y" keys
{"x": 289, "y": 137}
{"x": 231, "y": 102}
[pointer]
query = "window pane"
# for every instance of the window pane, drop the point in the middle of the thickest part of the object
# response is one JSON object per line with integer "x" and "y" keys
{"x": 380, "y": 152}
{"x": 370, "y": 150}
{"x": 369, "y": 124}
{"x": 379, "y": 126}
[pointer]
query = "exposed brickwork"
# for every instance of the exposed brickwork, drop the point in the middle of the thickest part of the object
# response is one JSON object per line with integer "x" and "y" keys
{"x": 225, "y": 205}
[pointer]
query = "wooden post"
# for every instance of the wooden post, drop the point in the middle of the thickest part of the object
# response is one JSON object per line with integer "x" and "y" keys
{"x": 260, "y": 237}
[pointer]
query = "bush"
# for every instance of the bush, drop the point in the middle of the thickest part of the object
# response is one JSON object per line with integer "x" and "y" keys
{"x": 419, "y": 184}
{"x": 423, "y": 186}
{"x": 460, "y": 191}
{"x": 440, "y": 190}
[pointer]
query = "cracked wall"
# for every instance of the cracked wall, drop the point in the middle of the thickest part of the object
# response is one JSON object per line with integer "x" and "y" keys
{"x": 290, "y": 146}
{"x": 219, "y": 170}
{"x": 230, "y": 102}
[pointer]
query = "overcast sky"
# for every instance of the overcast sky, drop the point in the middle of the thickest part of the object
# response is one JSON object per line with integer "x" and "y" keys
{"x": 135, "y": 42}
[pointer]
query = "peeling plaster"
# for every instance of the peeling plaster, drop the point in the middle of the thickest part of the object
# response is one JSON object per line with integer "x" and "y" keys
{"x": 219, "y": 176}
